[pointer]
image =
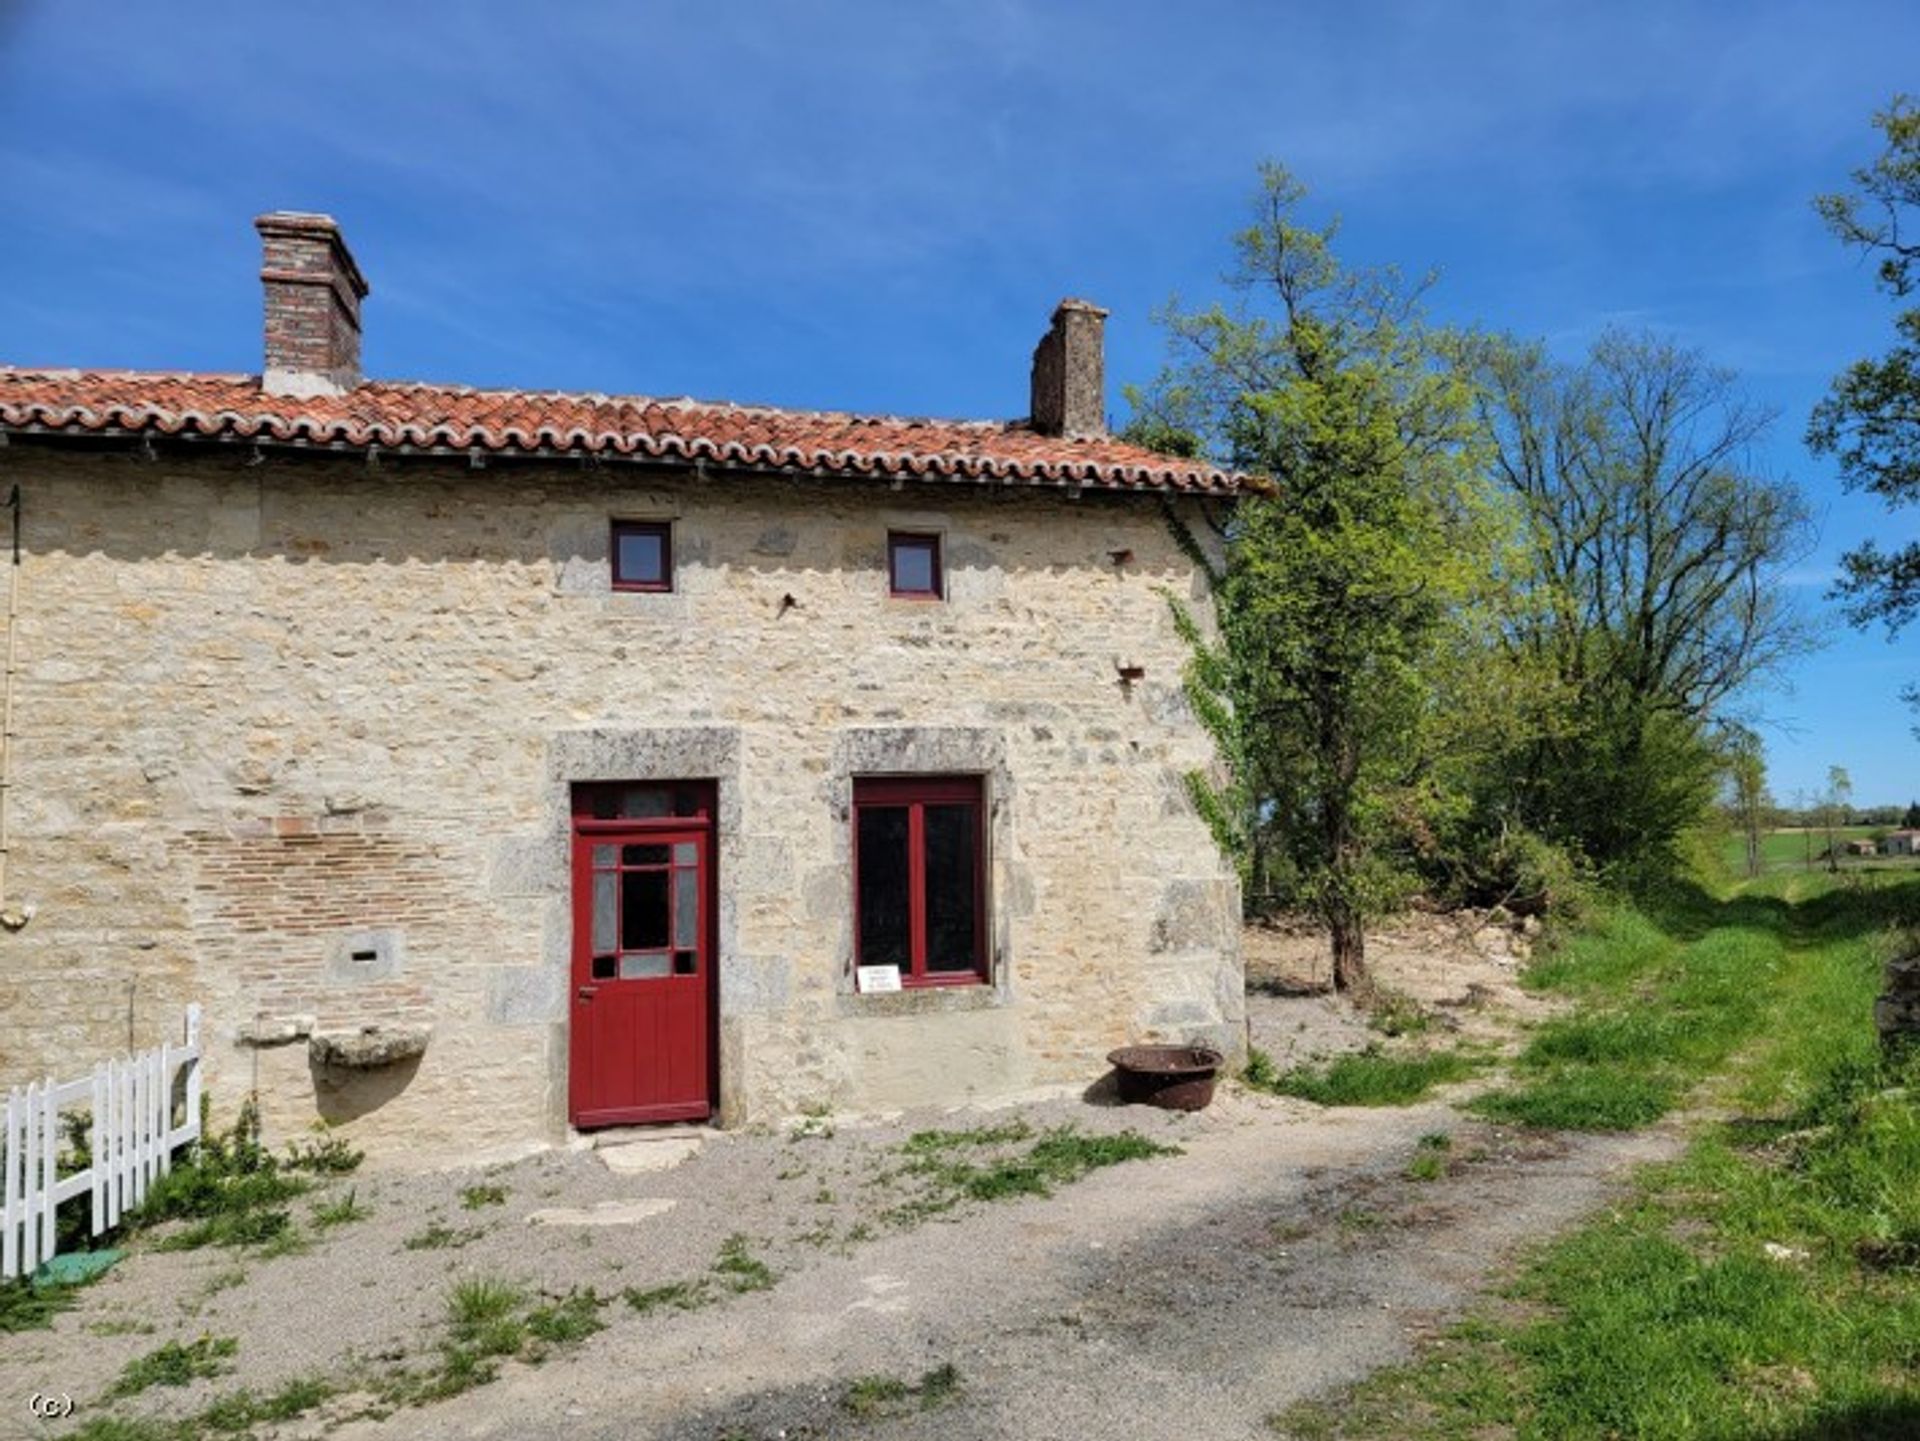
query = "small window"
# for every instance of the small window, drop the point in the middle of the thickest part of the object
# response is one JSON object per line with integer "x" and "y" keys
{"x": 913, "y": 565}
{"x": 920, "y": 878}
{"x": 642, "y": 555}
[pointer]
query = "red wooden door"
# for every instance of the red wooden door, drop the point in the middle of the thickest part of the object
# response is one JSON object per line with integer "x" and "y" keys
{"x": 641, "y": 1047}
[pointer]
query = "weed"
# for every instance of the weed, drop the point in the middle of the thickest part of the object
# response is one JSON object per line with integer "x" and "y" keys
{"x": 572, "y": 1317}
{"x": 1260, "y": 1071}
{"x": 872, "y": 1398}
{"x": 242, "y": 1227}
{"x": 230, "y": 1188}
{"x": 474, "y": 1198}
{"x": 815, "y": 1124}
{"x": 1394, "y": 1013}
{"x": 1374, "y": 1077}
{"x": 25, "y": 1306}
{"x": 325, "y": 1155}
{"x": 926, "y": 1143}
{"x": 739, "y": 1269}
{"x": 1431, "y": 1157}
{"x": 438, "y": 1237}
{"x": 244, "y": 1410}
{"x": 679, "y": 1295}
{"x": 175, "y": 1364}
{"x": 342, "y": 1211}
{"x": 1058, "y": 1157}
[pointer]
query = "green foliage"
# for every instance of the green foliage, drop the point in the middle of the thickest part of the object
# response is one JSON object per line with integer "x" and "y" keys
{"x": 176, "y": 1364}
{"x": 244, "y": 1410}
{"x": 229, "y": 1188}
{"x": 1653, "y": 598}
{"x": 1342, "y": 588}
{"x": 1372, "y": 1077}
{"x": 1431, "y": 1160}
{"x": 474, "y": 1198}
{"x": 1870, "y": 419}
{"x": 997, "y": 1163}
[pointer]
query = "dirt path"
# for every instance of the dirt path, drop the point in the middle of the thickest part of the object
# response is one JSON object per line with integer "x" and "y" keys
{"x": 1283, "y": 1255}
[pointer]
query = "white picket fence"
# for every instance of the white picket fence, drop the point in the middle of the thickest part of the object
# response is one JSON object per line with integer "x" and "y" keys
{"x": 133, "y": 1141}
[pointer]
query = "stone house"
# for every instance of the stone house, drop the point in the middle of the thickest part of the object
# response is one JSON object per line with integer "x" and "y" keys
{"x": 1901, "y": 843}
{"x": 490, "y": 764}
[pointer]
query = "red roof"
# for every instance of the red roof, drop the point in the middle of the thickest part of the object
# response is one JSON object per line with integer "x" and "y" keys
{"x": 433, "y": 419}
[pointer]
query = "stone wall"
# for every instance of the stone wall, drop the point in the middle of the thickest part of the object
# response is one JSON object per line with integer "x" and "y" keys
{"x": 274, "y": 716}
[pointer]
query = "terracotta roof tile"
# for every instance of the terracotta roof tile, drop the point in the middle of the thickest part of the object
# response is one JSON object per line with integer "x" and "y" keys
{"x": 394, "y": 415}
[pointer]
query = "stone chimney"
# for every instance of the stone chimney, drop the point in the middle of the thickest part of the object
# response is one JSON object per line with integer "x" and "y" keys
{"x": 1070, "y": 373}
{"x": 313, "y": 294}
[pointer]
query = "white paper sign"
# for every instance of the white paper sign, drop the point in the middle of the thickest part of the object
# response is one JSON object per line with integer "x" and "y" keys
{"x": 874, "y": 979}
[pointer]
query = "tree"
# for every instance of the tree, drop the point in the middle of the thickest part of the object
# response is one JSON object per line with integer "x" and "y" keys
{"x": 1870, "y": 419}
{"x": 1654, "y": 598}
{"x": 1344, "y": 587}
{"x": 1747, "y": 771}
{"x": 1833, "y": 810}
{"x": 1911, "y": 820}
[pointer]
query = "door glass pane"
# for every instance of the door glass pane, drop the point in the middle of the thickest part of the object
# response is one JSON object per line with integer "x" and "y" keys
{"x": 642, "y": 803}
{"x": 643, "y": 910}
{"x": 686, "y": 907}
{"x": 604, "y": 967}
{"x": 645, "y": 967}
{"x": 684, "y": 963}
{"x": 952, "y": 942}
{"x": 644, "y": 855}
{"x": 686, "y": 853}
{"x": 883, "y": 886}
{"x": 606, "y": 855}
{"x": 606, "y": 909}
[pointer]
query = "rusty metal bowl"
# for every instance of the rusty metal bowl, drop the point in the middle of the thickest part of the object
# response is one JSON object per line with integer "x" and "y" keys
{"x": 1175, "y": 1078}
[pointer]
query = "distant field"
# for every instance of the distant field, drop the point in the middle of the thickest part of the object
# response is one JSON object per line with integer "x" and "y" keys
{"x": 1783, "y": 850}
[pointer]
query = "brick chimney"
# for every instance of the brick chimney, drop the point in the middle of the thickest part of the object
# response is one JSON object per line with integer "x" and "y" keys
{"x": 1070, "y": 373}
{"x": 313, "y": 295}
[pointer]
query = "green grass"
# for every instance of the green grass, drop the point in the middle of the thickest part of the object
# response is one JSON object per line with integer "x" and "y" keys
{"x": 1766, "y": 1284}
{"x": 1656, "y": 1013}
{"x": 473, "y": 1198}
{"x": 176, "y": 1364}
{"x": 1787, "y": 850}
{"x": 440, "y": 1237}
{"x": 1372, "y": 1077}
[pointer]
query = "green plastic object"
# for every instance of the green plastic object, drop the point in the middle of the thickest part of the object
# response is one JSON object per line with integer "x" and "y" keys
{"x": 76, "y": 1269}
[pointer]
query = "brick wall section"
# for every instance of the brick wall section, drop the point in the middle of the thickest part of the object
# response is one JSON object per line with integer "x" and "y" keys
{"x": 313, "y": 294}
{"x": 265, "y": 890}
{"x": 260, "y": 707}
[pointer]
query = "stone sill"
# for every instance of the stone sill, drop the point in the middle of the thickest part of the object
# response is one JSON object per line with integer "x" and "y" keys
{"x": 920, "y": 1001}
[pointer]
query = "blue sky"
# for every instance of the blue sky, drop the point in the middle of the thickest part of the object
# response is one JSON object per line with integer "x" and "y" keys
{"x": 874, "y": 206}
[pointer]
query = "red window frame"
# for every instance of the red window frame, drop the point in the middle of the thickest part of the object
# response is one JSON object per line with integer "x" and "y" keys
{"x": 662, "y": 529}
{"x": 914, "y": 794}
{"x": 931, "y": 540}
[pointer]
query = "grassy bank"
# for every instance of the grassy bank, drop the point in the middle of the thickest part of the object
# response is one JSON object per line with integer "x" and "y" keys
{"x": 1767, "y": 1284}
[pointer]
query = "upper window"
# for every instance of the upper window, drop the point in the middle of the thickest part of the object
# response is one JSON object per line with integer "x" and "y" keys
{"x": 920, "y": 878}
{"x": 642, "y": 555}
{"x": 913, "y": 565}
